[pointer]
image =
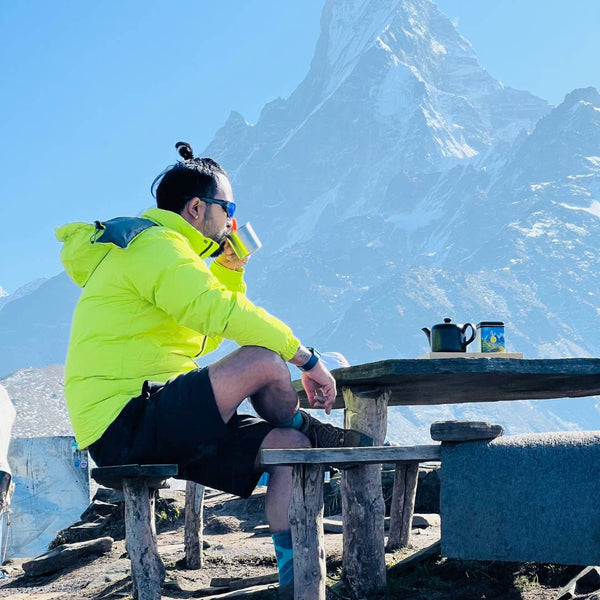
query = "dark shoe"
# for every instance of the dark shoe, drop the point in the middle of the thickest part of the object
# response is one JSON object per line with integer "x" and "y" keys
{"x": 4, "y": 489}
{"x": 325, "y": 435}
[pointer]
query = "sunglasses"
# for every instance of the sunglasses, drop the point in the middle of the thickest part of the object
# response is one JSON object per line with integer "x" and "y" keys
{"x": 228, "y": 207}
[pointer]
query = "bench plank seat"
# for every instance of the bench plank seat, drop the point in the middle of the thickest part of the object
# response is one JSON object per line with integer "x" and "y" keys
{"x": 155, "y": 476}
{"x": 358, "y": 456}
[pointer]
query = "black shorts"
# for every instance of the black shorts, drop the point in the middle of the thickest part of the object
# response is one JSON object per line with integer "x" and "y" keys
{"x": 178, "y": 422}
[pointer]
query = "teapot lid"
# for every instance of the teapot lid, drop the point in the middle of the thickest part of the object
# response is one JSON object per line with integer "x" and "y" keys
{"x": 447, "y": 323}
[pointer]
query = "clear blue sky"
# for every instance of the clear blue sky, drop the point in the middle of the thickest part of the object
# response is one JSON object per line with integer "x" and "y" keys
{"x": 96, "y": 93}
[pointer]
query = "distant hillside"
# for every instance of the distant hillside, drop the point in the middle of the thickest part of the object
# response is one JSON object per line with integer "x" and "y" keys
{"x": 38, "y": 396}
{"x": 35, "y": 324}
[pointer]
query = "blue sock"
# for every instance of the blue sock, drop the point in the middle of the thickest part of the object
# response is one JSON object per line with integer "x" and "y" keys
{"x": 282, "y": 540}
{"x": 295, "y": 422}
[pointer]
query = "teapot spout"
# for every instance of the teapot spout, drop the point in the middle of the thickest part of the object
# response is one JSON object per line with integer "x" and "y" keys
{"x": 427, "y": 333}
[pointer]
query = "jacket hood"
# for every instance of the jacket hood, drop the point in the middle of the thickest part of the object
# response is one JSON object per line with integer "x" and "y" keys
{"x": 85, "y": 245}
{"x": 80, "y": 256}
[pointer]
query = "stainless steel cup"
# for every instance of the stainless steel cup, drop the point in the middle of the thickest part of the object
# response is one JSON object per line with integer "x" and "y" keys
{"x": 244, "y": 241}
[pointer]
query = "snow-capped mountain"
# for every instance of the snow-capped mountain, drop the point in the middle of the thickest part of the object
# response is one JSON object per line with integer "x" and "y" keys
{"x": 515, "y": 241}
{"x": 400, "y": 184}
{"x": 393, "y": 90}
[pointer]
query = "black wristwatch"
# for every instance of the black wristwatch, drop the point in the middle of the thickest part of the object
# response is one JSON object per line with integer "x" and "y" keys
{"x": 312, "y": 361}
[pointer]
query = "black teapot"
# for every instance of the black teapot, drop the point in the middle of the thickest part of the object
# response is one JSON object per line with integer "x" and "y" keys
{"x": 449, "y": 337}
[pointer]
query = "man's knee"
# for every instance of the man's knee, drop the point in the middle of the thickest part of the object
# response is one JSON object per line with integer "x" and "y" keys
{"x": 268, "y": 365}
{"x": 281, "y": 437}
{"x": 271, "y": 361}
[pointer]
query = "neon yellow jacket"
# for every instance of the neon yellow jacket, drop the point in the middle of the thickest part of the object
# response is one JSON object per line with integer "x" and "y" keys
{"x": 146, "y": 311}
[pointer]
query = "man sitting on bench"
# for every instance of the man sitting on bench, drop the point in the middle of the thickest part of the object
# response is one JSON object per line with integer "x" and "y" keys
{"x": 148, "y": 308}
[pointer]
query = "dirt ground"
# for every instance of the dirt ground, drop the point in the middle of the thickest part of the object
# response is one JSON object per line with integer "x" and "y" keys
{"x": 238, "y": 549}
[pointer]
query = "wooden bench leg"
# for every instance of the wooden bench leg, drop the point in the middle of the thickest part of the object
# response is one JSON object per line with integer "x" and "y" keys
{"x": 147, "y": 568}
{"x": 192, "y": 535}
{"x": 363, "y": 507}
{"x": 403, "y": 504}
{"x": 306, "y": 519}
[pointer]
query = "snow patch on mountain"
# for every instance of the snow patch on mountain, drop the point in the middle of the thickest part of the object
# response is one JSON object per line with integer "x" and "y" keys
{"x": 592, "y": 209}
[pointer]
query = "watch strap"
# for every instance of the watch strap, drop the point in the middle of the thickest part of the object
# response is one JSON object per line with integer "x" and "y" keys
{"x": 312, "y": 361}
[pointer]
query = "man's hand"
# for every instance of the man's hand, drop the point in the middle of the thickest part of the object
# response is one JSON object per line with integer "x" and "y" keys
{"x": 229, "y": 258}
{"x": 320, "y": 387}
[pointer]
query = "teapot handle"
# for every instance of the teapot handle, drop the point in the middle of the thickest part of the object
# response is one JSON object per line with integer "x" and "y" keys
{"x": 473, "y": 334}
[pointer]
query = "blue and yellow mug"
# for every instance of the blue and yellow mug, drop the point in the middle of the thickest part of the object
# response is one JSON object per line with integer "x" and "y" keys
{"x": 491, "y": 336}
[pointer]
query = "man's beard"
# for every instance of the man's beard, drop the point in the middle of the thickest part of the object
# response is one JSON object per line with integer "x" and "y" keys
{"x": 220, "y": 238}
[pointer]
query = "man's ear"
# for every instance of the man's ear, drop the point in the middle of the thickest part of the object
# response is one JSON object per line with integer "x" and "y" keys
{"x": 194, "y": 210}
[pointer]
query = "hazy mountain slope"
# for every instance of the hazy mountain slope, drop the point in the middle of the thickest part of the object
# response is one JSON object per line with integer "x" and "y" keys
{"x": 24, "y": 290}
{"x": 34, "y": 329}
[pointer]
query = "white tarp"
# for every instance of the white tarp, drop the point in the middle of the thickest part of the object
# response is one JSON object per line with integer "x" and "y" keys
{"x": 50, "y": 493}
{"x": 7, "y": 419}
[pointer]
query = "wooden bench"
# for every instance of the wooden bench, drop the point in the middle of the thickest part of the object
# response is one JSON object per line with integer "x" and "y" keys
{"x": 139, "y": 484}
{"x": 362, "y": 518}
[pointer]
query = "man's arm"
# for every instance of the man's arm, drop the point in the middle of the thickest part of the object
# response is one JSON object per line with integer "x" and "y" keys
{"x": 173, "y": 278}
{"x": 229, "y": 270}
{"x": 318, "y": 383}
{"x": 177, "y": 281}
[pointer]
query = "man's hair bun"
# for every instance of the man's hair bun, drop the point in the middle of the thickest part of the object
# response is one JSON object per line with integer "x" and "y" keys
{"x": 185, "y": 150}
{"x": 187, "y": 178}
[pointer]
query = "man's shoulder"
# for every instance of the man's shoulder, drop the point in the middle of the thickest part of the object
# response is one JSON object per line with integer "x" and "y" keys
{"x": 161, "y": 234}
{"x": 161, "y": 245}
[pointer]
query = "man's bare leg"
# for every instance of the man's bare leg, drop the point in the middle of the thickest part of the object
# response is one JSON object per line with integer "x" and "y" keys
{"x": 254, "y": 372}
{"x": 279, "y": 492}
{"x": 264, "y": 377}
{"x": 277, "y": 504}
{"x": 262, "y": 374}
